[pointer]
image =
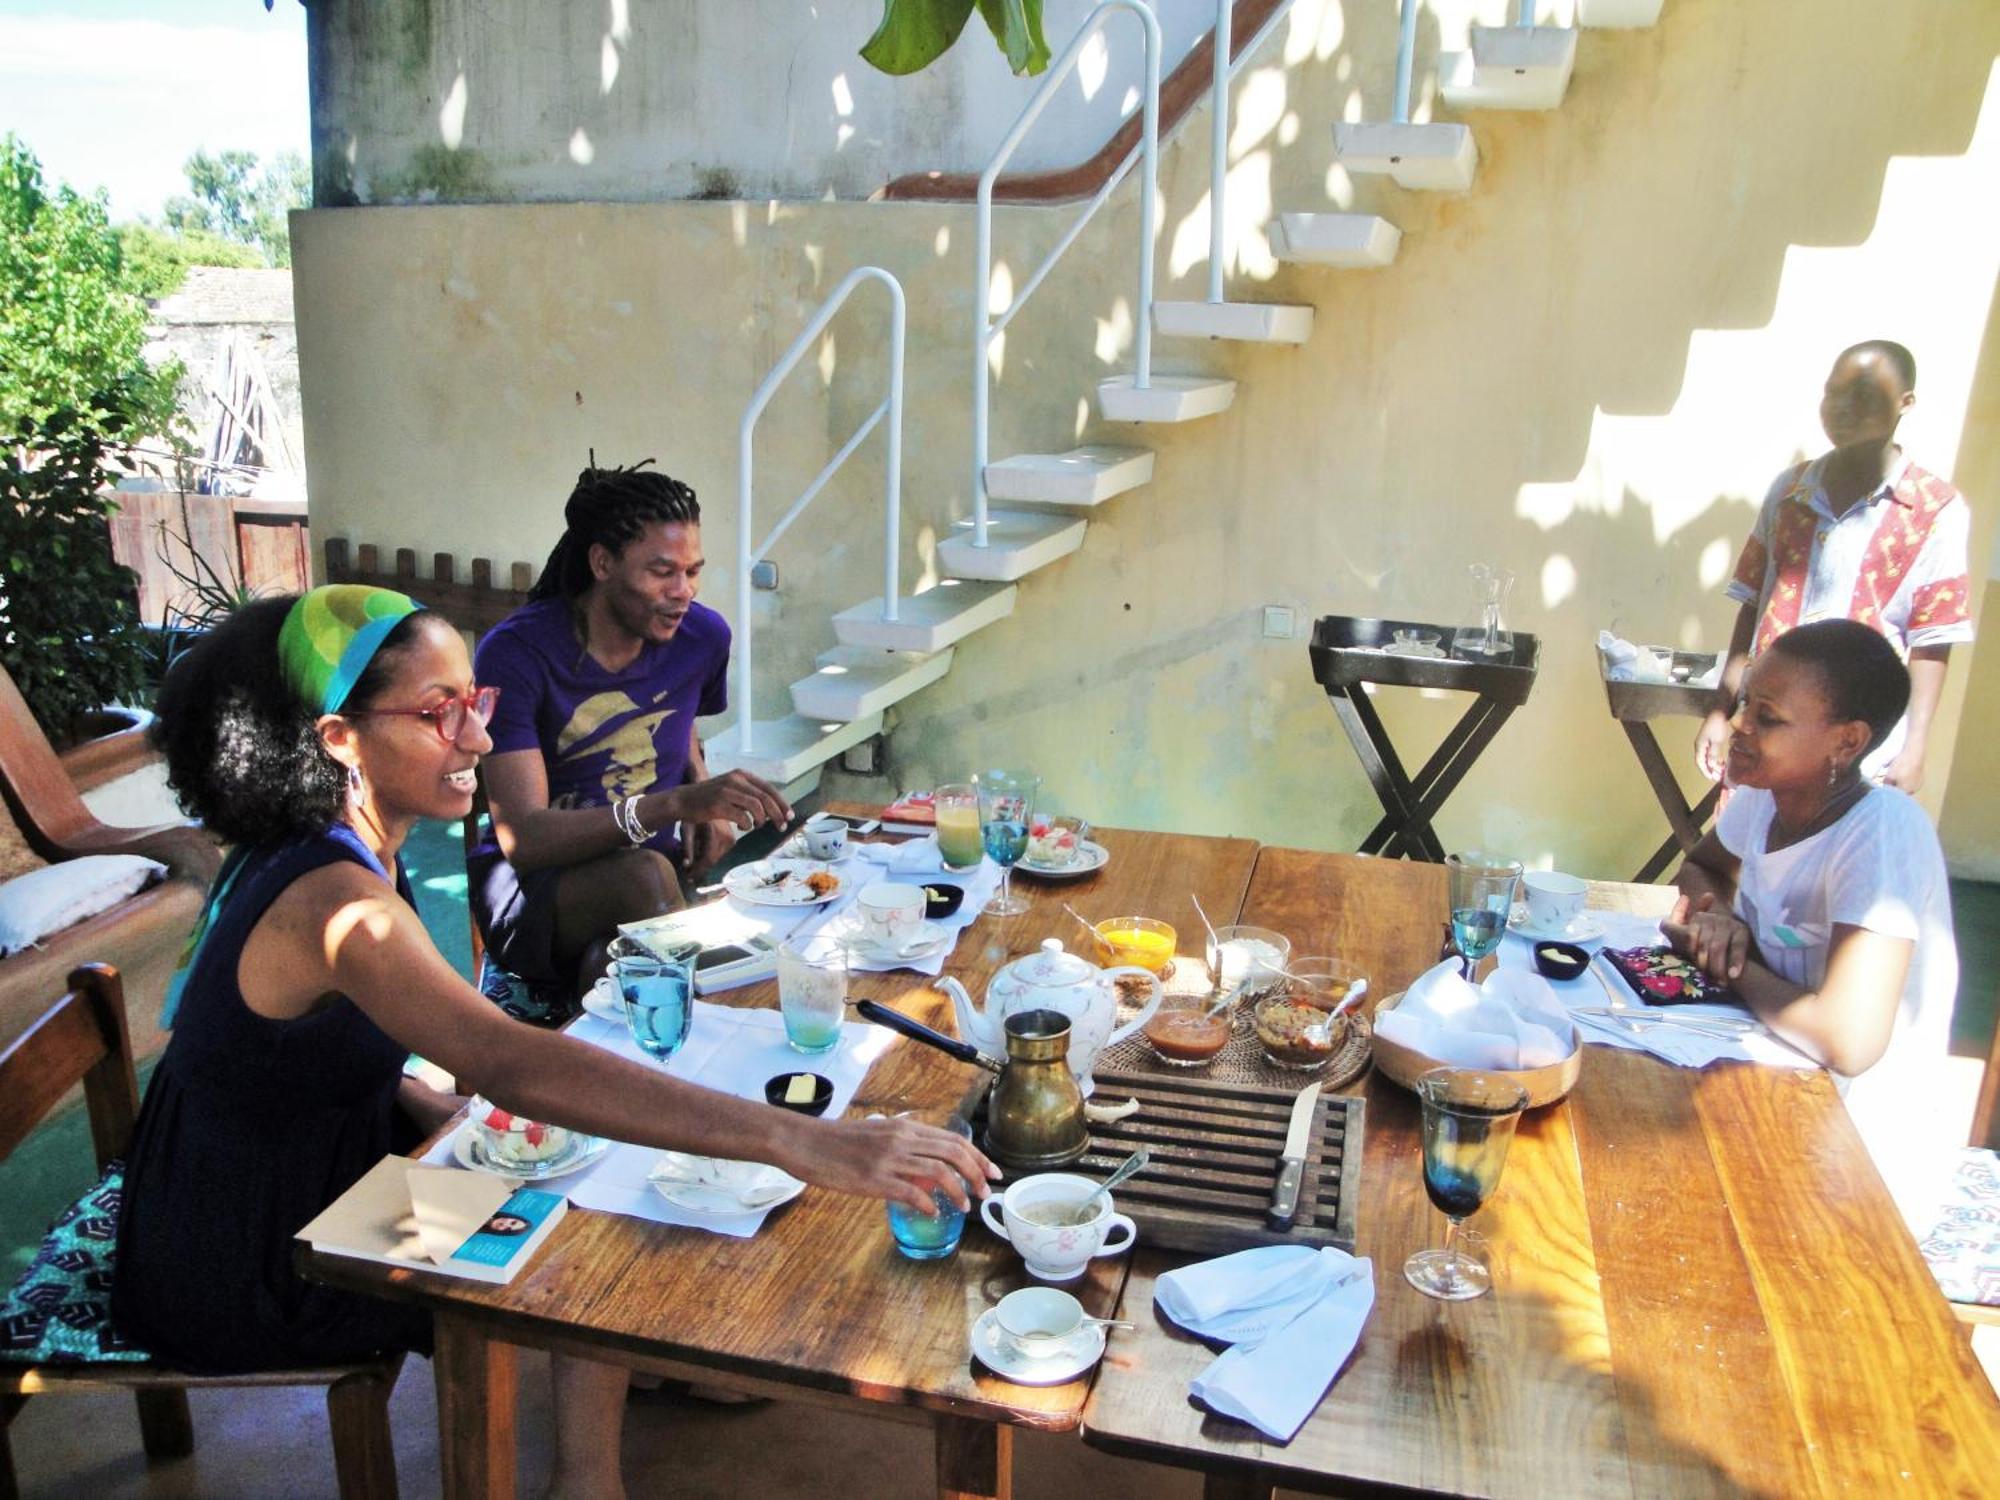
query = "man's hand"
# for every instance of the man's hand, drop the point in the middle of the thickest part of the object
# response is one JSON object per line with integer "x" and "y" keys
{"x": 1906, "y": 771}
{"x": 735, "y": 797}
{"x": 1711, "y": 744}
{"x": 1717, "y": 942}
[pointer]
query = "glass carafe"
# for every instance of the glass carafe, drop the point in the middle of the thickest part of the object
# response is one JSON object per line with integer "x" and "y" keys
{"x": 1487, "y": 636}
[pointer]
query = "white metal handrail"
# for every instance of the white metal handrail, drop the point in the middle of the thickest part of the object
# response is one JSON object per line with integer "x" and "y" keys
{"x": 747, "y": 556}
{"x": 1406, "y": 56}
{"x": 1224, "y": 69}
{"x": 984, "y": 328}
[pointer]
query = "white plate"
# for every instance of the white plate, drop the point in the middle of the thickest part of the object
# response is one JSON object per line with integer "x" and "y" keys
{"x": 1090, "y": 858}
{"x": 1078, "y": 1353}
{"x": 931, "y": 936}
{"x": 721, "y": 1193}
{"x": 469, "y": 1151}
{"x": 603, "y": 1001}
{"x": 748, "y": 883}
{"x": 1585, "y": 928}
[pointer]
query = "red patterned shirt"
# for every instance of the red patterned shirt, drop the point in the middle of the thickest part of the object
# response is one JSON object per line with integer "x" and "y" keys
{"x": 1895, "y": 560}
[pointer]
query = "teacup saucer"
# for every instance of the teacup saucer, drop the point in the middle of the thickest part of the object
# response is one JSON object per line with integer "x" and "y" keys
{"x": 930, "y": 937}
{"x": 1586, "y": 927}
{"x": 602, "y": 1000}
{"x": 1073, "y": 1356}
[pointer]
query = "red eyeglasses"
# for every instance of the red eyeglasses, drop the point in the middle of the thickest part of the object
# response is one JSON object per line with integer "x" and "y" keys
{"x": 449, "y": 717}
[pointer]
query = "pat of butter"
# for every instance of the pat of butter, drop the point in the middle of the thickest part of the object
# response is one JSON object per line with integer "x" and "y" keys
{"x": 800, "y": 1089}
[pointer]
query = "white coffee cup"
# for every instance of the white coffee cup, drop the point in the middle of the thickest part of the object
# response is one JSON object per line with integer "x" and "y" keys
{"x": 1038, "y": 1321}
{"x": 891, "y": 913}
{"x": 1057, "y": 1252}
{"x": 1554, "y": 900}
{"x": 826, "y": 838}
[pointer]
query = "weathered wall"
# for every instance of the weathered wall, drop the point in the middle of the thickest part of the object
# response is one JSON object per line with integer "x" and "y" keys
{"x": 1587, "y": 371}
{"x": 498, "y": 101}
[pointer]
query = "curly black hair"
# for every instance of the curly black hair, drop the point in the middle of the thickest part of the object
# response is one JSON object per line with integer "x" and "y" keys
{"x": 1859, "y": 671}
{"x": 241, "y": 750}
{"x": 609, "y": 507}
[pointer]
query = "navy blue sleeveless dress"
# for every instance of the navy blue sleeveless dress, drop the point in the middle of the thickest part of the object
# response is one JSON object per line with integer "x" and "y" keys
{"x": 249, "y": 1128}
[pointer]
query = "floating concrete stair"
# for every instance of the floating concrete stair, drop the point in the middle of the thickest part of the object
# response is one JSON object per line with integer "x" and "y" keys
{"x": 855, "y": 681}
{"x": 1089, "y": 475}
{"x": 929, "y": 621}
{"x": 1017, "y": 543}
{"x": 1439, "y": 158}
{"x": 1356, "y": 241}
{"x": 1510, "y": 67}
{"x": 788, "y": 749}
{"x": 1170, "y": 398}
{"x": 1617, "y": 12}
{"x": 1247, "y": 322}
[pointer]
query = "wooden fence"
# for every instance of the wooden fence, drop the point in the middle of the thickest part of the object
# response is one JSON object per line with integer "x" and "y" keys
{"x": 263, "y": 543}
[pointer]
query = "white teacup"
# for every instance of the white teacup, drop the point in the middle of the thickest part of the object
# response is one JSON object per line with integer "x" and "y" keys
{"x": 826, "y": 838}
{"x": 891, "y": 914}
{"x": 1038, "y": 1321}
{"x": 1554, "y": 900}
{"x": 1056, "y": 1252}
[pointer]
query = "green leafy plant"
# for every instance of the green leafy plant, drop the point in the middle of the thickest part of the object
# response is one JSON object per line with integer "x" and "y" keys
{"x": 74, "y": 387}
{"x": 203, "y": 595}
{"x": 916, "y": 33}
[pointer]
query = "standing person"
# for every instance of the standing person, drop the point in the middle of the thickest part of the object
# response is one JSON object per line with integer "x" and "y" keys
{"x": 1822, "y": 898}
{"x": 1859, "y": 533}
{"x": 311, "y": 734}
{"x": 596, "y": 768}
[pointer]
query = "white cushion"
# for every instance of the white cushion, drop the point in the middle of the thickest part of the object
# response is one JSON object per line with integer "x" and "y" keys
{"x": 45, "y": 901}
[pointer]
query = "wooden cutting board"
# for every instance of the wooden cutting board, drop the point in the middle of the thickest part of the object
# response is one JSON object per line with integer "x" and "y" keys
{"x": 1215, "y": 1155}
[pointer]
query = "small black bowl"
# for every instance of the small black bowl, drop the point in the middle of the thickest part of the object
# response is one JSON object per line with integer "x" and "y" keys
{"x": 774, "y": 1093}
{"x": 1560, "y": 960}
{"x": 942, "y": 899}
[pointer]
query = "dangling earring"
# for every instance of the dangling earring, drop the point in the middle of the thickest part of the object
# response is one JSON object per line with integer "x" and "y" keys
{"x": 1832, "y": 771}
{"x": 354, "y": 780}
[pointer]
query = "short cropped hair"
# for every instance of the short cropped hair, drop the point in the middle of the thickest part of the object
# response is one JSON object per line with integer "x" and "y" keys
{"x": 1859, "y": 671}
{"x": 1894, "y": 354}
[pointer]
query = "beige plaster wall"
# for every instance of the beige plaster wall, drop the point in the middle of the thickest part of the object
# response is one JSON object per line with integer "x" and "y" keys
{"x": 1587, "y": 370}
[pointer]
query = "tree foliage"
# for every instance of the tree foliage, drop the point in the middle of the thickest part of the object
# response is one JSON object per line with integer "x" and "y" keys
{"x": 74, "y": 382}
{"x": 229, "y": 199}
{"x": 916, "y": 33}
{"x": 157, "y": 260}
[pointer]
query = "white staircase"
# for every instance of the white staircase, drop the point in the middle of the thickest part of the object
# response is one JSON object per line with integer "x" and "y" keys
{"x": 1084, "y": 476}
{"x": 879, "y": 662}
{"x": 1509, "y": 67}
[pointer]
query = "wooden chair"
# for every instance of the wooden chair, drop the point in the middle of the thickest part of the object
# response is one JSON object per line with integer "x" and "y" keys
{"x": 83, "y": 1037}
{"x": 142, "y": 936}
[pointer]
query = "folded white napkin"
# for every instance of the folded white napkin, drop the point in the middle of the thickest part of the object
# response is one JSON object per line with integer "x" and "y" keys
{"x": 1291, "y": 1314}
{"x": 1511, "y": 1021}
{"x": 911, "y": 857}
{"x": 750, "y": 1183}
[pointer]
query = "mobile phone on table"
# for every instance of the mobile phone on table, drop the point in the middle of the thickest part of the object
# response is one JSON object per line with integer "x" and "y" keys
{"x": 713, "y": 958}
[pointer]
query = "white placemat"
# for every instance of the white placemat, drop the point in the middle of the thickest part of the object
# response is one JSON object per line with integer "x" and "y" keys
{"x": 733, "y": 1051}
{"x": 1681, "y": 1046}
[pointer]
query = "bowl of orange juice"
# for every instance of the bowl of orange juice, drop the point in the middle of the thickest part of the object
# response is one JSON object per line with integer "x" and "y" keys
{"x": 1140, "y": 941}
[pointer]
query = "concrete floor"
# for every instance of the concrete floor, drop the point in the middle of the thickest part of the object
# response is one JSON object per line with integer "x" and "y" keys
{"x": 272, "y": 1445}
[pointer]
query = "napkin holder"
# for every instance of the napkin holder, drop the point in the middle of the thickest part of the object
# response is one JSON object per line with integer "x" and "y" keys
{"x": 1544, "y": 1085}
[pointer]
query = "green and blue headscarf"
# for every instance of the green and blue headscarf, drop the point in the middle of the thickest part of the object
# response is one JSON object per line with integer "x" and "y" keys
{"x": 330, "y": 635}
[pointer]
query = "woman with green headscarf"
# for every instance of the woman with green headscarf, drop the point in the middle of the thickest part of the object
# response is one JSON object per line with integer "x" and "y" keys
{"x": 310, "y": 734}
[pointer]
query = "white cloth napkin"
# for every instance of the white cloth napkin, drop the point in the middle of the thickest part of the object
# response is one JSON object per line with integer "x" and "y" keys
{"x": 1598, "y": 986}
{"x": 909, "y": 857}
{"x": 1626, "y": 662}
{"x": 1511, "y": 1021}
{"x": 1291, "y": 1315}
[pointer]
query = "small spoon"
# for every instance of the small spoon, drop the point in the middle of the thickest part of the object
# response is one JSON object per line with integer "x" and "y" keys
{"x": 1125, "y": 1169}
{"x": 1096, "y": 936}
{"x": 1214, "y": 943}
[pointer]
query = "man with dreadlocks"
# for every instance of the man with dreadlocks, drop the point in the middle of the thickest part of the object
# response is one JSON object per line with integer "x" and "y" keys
{"x": 595, "y": 768}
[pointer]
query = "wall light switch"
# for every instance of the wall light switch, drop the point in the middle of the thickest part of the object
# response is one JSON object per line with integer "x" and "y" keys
{"x": 1278, "y": 622}
{"x": 764, "y": 574}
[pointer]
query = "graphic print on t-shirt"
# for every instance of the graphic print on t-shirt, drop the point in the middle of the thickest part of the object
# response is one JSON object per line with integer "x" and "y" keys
{"x": 611, "y": 725}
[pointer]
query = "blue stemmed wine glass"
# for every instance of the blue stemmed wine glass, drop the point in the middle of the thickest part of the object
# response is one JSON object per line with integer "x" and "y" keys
{"x": 1482, "y": 894}
{"x": 1006, "y": 802}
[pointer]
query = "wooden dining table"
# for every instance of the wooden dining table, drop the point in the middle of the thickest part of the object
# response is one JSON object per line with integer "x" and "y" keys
{"x": 1700, "y": 1285}
{"x": 818, "y": 1307}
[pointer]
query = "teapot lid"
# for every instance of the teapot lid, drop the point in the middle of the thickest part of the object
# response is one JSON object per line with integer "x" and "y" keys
{"x": 1052, "y": 968}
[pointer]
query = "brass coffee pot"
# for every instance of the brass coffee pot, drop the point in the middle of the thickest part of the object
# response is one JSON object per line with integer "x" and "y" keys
{"x": 1034, "y": 1114}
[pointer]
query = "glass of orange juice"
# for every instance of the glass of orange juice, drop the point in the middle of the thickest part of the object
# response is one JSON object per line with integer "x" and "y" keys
{"x": 1139, "y": 940}
{"x": 959, "y": 842}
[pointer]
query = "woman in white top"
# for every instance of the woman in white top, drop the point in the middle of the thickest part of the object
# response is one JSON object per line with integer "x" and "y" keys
{"x": 1822, "y": 898}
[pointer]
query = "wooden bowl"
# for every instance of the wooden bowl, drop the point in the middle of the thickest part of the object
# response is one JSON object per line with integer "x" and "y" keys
{"x": 1405, "y": 1065}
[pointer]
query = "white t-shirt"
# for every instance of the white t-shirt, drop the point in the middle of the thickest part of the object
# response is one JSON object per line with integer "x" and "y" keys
{"x": 1880, "y": 868}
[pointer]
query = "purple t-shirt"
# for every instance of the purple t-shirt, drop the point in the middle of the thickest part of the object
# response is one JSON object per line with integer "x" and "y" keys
{"x": 602, "y": 734}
